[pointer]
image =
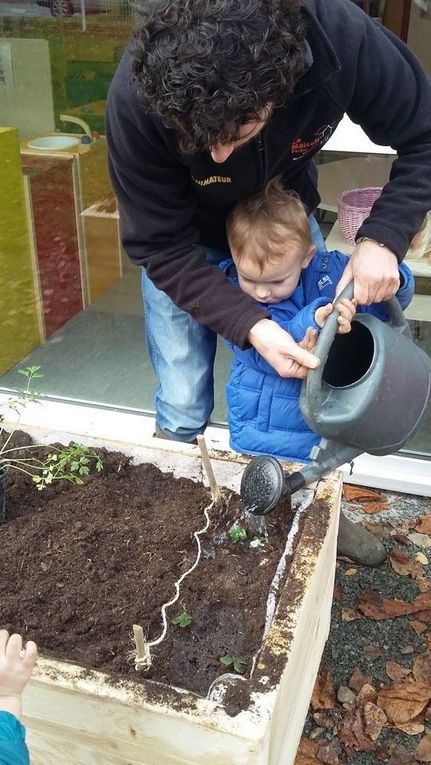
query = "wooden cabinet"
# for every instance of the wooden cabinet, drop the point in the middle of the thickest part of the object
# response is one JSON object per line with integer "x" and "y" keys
{"x": 54, "y": 222}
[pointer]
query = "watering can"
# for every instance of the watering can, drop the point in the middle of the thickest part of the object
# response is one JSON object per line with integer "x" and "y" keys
{"x": 369, "y": 394}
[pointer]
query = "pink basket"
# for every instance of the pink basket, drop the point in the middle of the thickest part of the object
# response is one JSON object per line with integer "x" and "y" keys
{"x": 354, "y": 206}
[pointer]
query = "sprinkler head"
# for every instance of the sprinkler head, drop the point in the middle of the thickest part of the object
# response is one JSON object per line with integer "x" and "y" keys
{"x": 262, "y": 485}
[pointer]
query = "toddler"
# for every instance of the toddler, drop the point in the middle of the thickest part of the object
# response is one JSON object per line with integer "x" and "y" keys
{"x": 274, "y": 260}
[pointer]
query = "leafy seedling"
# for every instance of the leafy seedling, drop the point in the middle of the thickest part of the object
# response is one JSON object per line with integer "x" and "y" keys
{"x": 182, "y": 620}
{"x": 239, "y": 665}
{"x": 70, "y": 463}
{"x": 237, "y": 533}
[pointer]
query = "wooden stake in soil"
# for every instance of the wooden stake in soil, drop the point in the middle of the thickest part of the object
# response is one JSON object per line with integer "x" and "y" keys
{"x": 214, "y": 487}
{"x": 142, "y": 652}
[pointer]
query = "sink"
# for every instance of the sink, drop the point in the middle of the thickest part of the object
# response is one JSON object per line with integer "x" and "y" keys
{"x": 54, "y": 142}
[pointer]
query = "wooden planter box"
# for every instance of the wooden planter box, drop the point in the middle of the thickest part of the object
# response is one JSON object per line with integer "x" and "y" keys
{"x": 79, "y": 716}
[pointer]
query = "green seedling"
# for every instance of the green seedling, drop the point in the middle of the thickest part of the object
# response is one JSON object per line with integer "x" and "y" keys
{"x": 70, "y": 463}
{"x": 182, "y": 620}
{"x": 237, "y": 533}
{"x": 239, "y": 665}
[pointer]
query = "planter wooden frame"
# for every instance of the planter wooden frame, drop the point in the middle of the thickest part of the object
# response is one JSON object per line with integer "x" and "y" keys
{"x": 79, "y": 716}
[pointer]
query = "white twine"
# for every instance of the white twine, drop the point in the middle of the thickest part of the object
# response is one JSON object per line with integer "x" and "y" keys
{"x": 144, "y": 662}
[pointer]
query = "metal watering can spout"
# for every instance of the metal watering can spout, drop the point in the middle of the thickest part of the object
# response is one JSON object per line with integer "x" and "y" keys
{"x": 369, "y": 394}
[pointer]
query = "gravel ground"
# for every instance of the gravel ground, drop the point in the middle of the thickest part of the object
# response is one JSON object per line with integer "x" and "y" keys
{"x": 392, "y": 639}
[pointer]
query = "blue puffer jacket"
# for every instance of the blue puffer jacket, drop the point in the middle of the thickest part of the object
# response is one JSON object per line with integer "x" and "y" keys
{"x": 263, "y": 408}
{"x": 13, "y": 749}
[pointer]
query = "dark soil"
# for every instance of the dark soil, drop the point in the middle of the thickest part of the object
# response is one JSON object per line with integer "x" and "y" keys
{"x": 79, "y": 565}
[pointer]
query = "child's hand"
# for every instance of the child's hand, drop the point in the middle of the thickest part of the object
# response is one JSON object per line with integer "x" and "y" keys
{"x": 16, "y": 666}
{"x": 322, "y": 313}
{"x": 346, "y": 309}
{"x": 309, "y": 340}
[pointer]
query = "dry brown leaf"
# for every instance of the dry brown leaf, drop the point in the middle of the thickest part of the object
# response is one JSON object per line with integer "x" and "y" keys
{"x": 403, "y": 565}
{"x": 403, "y": 703}
{"x": 328, "y": 754}
{"x": 366, "y": 694}
{"x": 424, "y": 616}
{"x": 401, "y": 539}
{"x": 375, "y": 719}
{"x": 380, "y": 529}
{"x": 349, "y": 615}
{"x": 423, "y": 526}
{"x": 323, "y": 721}
{"x": 413, "y": 728}
{"x": 358, "y": 680}
{"x": 375, "y": 607}
{"x": 338, "y": 592}
{"x": 351, "y": 571}
{"x": 323, "y": 694}
{"x": 423, "y": 583}
{"x": 352, "y": 733}
{"x": 418, "y": 627}
{"x": 422, "y": 668}
{"x": 306, "y": 753}
{"x": 396, "y": 671}
{"x": 360, "y": 494}
{"x": 421, "y": 558}
{"x": 371, "y": 508}
{"x": 423, "y": 749}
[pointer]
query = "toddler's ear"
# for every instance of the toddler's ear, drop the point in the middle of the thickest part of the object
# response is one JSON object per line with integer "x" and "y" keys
{"x": 308, "y": 256}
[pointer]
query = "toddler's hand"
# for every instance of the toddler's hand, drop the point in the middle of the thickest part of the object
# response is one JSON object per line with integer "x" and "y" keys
{"x": 309, "y": 340}
{"x": 346, "y": 309}
{"x": 16, "y": 666}
{"x": 322, "y": 313}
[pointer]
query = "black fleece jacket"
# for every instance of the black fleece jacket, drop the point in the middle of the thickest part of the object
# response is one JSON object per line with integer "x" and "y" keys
{"x": 172, "y": 205}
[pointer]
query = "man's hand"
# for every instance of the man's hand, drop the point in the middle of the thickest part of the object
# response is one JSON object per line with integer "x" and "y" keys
{"x": 374, "y": 271}
{"x": 279, "y": 349}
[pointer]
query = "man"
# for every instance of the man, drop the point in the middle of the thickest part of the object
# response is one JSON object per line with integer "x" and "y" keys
{"x": 213, "y": 99}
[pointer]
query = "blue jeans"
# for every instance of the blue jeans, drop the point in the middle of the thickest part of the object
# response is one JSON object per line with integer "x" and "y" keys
{"x": 182, "y": 352}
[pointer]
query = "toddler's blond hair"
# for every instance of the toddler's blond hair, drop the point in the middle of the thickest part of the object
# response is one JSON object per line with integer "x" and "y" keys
{"x": 261, "y": 226}
{"x": 420, "y": 246}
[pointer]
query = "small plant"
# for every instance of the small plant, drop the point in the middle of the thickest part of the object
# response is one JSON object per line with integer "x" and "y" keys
{"x": 70, "y": 463}
{"x": 239, "y": 665}
{"x": 182, "y": 620}
{"x": 237, "y": 533}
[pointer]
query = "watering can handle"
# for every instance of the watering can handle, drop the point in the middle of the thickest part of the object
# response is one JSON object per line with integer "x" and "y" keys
{"x": 329, "y": 330}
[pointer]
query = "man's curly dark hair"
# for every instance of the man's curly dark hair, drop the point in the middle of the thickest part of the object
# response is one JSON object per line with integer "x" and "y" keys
{"x": 206, "y": 67}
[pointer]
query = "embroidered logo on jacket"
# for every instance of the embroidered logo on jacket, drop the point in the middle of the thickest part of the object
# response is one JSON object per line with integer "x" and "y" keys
{"x": 324, "y": 282}
{"x": 213, "y": 179}
{"x": 301, "y": 146}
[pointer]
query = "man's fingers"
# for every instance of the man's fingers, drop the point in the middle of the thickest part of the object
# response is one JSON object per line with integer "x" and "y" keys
{"x": 298, "y": 363}
{"x": 346, "y": 278}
